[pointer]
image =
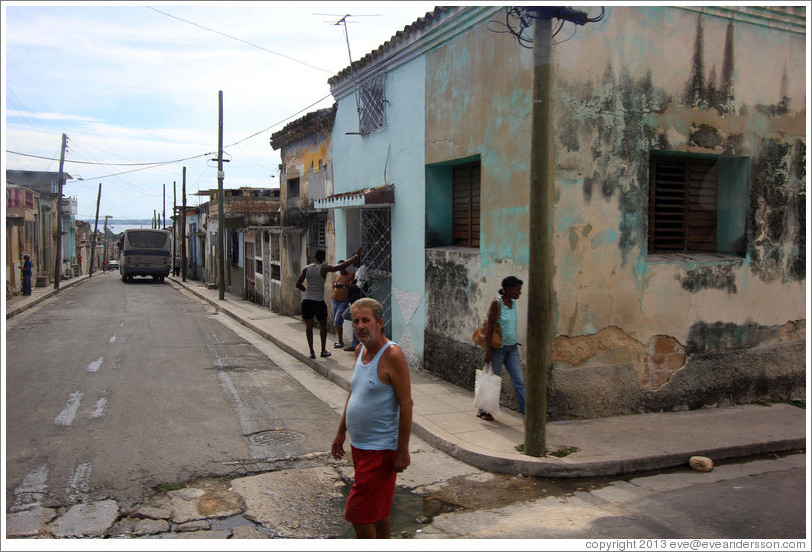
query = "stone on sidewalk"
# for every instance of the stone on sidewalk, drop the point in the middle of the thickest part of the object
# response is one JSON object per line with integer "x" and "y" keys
{"x": 207, "y": 499}
{"x": 29, "y": 522}
{"x": 92, "y": 519}
{"x": 139, "y": 527}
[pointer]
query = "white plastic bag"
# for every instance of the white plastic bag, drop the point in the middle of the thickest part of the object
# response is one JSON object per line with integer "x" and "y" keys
{"x": 487, "y": 390}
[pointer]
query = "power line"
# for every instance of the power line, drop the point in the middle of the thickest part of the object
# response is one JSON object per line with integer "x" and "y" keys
{"x": 156, "y": 164}
{"x": 280, "y": 122}
{"x": 241, "y": 40}
{"x": 95, "y": 162}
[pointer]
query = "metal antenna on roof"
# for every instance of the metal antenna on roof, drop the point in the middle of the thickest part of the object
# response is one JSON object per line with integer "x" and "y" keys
{"x": 343, "y": 21}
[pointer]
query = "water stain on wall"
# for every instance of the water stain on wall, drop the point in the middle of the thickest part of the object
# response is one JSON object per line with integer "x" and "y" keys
{"x": 711, "y": 277}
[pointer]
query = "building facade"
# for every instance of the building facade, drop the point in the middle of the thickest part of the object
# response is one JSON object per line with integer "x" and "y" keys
{"x": 679, "y": 197}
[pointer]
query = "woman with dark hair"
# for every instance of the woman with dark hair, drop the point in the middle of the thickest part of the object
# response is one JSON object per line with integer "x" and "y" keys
{"x": 503, "y": 310}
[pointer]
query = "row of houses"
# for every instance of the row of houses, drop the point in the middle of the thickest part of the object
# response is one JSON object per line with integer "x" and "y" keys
{"x": 678, "y": 212}
{"x": 32, "y": 225}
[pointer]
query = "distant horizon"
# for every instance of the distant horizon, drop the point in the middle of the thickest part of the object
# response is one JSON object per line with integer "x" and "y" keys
{"x": 128, "y": 221}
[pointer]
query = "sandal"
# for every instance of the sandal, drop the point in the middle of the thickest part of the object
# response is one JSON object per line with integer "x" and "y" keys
{"x": 338, "y": 345}
{"x": 325, "y": 353}
{"x": 485, "y": 416}
{"x": 312, "y": 355}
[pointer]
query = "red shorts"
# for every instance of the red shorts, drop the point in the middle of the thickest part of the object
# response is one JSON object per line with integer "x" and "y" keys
{"x": 370, "y": 498}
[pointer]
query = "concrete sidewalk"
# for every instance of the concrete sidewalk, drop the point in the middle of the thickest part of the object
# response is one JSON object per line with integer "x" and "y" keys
{"x": 19, "y": 303}
{"x": 444, "y": 416}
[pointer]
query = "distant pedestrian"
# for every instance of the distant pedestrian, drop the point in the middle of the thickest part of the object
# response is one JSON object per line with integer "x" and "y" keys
{"x": 340, "y": 299}
{"x": 503, "y": 310}
{"x": 313, "y": 305}
{"x": 378, "y": 416}
{"x": 26, "y": 270}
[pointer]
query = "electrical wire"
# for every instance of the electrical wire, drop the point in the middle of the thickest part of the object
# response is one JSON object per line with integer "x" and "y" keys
{"x": 518, "y": 20}
{"x": 241, "y": 40}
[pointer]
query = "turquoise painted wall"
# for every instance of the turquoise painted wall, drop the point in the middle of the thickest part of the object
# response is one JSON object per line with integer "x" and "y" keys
{"x": 391, "y": 155}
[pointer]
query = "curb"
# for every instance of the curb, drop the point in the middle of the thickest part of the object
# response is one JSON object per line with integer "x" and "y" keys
{"x": 47, "y": 295}
{"x": 529, "y": 466}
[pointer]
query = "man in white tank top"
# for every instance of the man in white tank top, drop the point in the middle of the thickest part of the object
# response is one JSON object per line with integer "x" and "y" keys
{"x": 313, "y": 304}
{"x": 378, "y": 415}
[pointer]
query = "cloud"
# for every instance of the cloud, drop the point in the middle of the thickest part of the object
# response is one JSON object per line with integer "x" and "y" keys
{"x": 128, "y": 84}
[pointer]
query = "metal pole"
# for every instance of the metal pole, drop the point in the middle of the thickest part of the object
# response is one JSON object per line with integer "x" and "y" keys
{"x": 221, "y": 280}
{"x": 539, "y": 295}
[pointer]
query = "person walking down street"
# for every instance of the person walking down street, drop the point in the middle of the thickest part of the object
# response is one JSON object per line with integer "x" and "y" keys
{"x": 313, "y": 305}
{"x": 340, "y": 299}
{"x": 26, "y": 270}
{"x": 378, "y": 416}
{"x": 504, "y": 308}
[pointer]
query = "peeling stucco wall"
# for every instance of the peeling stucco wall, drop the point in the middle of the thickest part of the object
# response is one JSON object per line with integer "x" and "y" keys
{"x": 656, "y": 329}
{"x": 617, "y": 102}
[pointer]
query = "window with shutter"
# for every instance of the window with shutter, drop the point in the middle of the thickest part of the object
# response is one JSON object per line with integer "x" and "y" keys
{"x": 683, "y": 214}
{"x": 466, "y": 204}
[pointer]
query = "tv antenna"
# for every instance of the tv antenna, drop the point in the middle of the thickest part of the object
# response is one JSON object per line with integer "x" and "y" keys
{"x": 343, "y": 22}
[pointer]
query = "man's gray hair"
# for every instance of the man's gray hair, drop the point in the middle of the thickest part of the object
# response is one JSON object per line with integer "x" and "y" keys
{"x": 370, "y": 303}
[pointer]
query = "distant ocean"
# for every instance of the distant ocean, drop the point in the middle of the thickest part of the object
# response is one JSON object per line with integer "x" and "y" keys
{"x": 118, "y": 226}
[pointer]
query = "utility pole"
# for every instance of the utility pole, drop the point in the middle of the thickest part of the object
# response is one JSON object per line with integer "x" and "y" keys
{"x": 164, "y": 210}
{"x": 95, "y": 233}
{"x": 540, "y": 272}
{"x": 221, "y": 280}
{"x": 174, "y": 224}
{"x": 105, "y": 240}
{"x": 183, "y": 230}
{"x": 58, "y": 264}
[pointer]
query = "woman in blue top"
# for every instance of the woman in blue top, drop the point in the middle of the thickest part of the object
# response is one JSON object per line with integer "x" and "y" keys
{"x": 505, "y": 309}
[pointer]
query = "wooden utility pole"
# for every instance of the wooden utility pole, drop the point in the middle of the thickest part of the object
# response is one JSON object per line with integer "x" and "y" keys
{"x": 221, "y": 280}
{"x": 58, "y": 264}
{"x": 183, "y": 230}
{"x": 174, "y": 224}
{"x": 105, "y": 240}
{"x": 95, "y": 233}
{"x": 540, "y": 273}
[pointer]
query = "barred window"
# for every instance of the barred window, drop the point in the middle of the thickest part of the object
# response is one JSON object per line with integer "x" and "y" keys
{"x": 371, "y": 104}
{"x": 686, "y": 192}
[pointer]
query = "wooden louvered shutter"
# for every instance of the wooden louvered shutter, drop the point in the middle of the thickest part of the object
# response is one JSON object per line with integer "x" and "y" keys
{"x": 466, "y": 183}
{"x": 683, "y": 209}
{"x": 700, "y": 220}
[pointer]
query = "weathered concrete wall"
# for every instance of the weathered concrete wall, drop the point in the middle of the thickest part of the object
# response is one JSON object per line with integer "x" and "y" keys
{"x": 635, "y": 332}
{"x": 630, "y": 86}
{"x": 477, "y": 105}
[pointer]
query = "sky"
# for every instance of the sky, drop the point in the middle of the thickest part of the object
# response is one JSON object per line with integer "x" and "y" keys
{"x": 136, "y": 84}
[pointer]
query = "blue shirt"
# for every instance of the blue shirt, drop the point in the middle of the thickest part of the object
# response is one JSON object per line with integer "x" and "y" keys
{"x": 373, "y": 412}
{"x": 508, "y": 319}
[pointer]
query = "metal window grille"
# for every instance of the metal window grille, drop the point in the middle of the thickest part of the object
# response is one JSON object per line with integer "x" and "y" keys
{"x": 376, "y": 239}
{"x": 317, "y": 233}
{"x": 371, "y": 104}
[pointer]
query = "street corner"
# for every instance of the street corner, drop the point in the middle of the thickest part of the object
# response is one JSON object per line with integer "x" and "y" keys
{"x": 302, "y": 503}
